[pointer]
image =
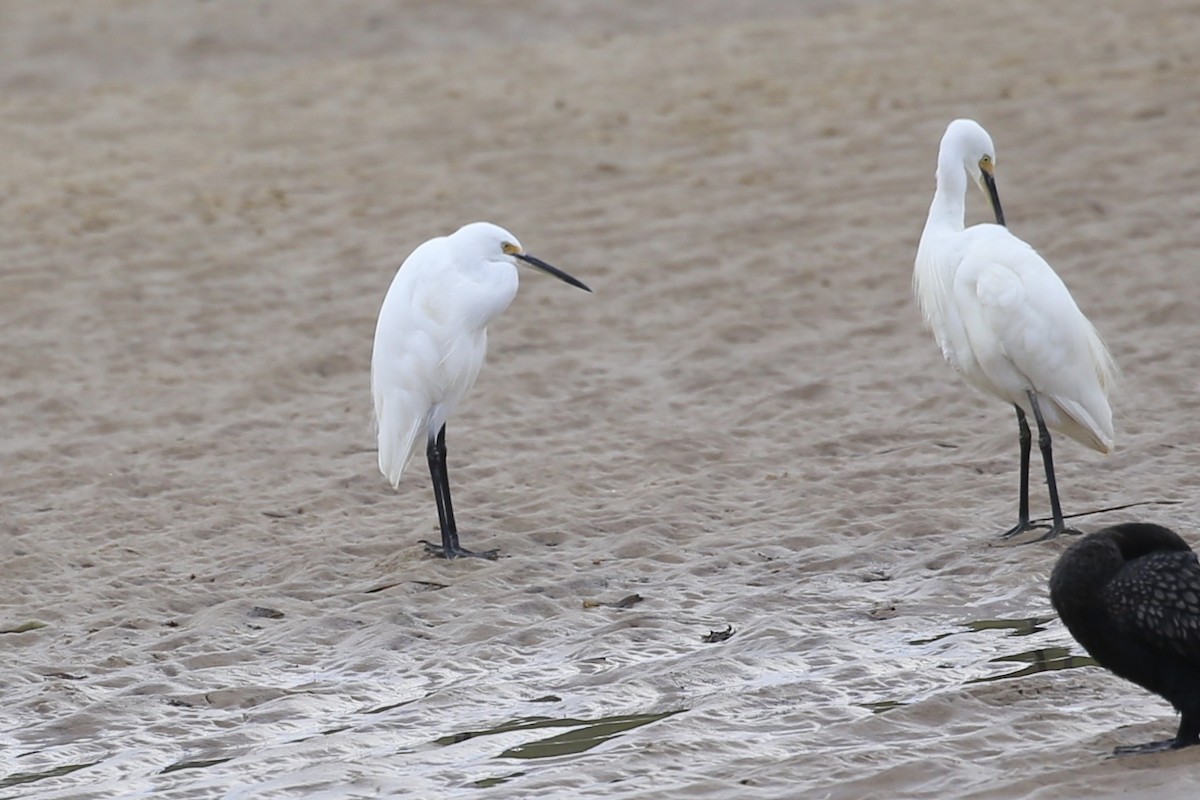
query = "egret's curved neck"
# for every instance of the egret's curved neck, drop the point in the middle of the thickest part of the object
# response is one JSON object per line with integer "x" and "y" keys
{"x": 486, "y": 291}
{"x": 934, "y": 270}
{"x": 948, "y": 209}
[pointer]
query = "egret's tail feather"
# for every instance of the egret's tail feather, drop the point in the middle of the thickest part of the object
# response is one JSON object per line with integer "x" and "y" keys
{"x": 1090, "y": 430}
{"x": 396, "y": 444}
{"x": 1092, "y": 418}
{"x": 1107, "y": 371}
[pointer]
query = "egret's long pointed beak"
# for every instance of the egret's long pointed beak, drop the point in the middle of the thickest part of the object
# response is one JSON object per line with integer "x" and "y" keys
{"x": 555, "y": 271}
{"x": 989, "y": 182}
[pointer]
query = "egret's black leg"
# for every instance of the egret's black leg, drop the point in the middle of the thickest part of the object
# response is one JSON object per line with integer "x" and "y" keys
{"x": 435, "y": 452}
{"x": 1057, "y": 525}
{"x": 1026, "y": 439}
{"x": 436, "y": 455}
{"x": 445, "y": 507}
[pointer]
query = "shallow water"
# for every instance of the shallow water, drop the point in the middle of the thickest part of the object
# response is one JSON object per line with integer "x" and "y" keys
{"x": 585, "y": 698}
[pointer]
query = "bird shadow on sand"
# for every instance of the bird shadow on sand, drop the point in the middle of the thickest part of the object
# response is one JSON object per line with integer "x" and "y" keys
{"x": 1043, "y": 523}
{"x": 1164, "y": 746}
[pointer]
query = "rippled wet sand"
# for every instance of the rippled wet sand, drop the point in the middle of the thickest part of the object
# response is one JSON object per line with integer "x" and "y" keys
{"x": 210, "y": 592}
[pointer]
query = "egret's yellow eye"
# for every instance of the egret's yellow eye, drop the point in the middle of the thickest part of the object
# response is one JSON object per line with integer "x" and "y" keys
{"x": 985, "y": 163}
{"x": 510, "y": 249}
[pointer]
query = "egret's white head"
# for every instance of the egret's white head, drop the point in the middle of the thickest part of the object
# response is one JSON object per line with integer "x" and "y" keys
{"x": 486, "y": 242}
{"x": 967, "y": 143}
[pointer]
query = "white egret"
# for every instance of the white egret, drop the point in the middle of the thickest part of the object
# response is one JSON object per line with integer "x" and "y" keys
{"x": 1004, "y": 319}
{"x": 430, "y": 343}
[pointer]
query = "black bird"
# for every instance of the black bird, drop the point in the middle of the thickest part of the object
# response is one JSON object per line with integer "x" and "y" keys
{"x": 1130, "y": 594}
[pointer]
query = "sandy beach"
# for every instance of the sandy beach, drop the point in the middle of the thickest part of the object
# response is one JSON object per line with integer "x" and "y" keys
{"x": 209, "y": 591}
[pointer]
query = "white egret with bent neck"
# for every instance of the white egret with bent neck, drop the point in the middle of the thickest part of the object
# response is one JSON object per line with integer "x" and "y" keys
{"x": 1006, "y": 322}
{"x": 430, "y": 344}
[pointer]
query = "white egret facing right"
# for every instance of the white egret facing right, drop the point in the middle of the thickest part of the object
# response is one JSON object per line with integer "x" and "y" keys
{"x": 430, "y": 343}
{"x": 1005, "y": 321}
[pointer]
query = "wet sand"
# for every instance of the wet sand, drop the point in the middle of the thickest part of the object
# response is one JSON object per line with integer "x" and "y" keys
{"x": 209, "y": 590}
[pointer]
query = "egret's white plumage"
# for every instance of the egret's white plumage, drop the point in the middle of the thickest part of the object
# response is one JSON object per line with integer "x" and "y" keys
{"x": 1001, "y": 315}
{"x": 431, "y": 337}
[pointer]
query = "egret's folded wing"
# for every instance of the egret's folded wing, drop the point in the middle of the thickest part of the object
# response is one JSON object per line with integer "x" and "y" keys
{"x": 402, "y": 398}
{"x": 1029, "y": 324}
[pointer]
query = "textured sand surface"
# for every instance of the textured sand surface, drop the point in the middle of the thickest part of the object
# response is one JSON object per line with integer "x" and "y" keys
{"x": 201, "y": 206}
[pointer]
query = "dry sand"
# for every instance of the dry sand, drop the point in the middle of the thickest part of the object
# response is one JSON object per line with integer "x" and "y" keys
{"x": 201, "y": 206}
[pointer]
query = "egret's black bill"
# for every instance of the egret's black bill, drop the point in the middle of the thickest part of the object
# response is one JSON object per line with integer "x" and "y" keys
{"x": 989, "y": 181}
{"x": 555, "y": 271}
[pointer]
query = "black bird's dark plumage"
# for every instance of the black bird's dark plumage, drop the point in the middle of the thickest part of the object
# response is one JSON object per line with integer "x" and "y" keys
{"x": 1130, "y": 594}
